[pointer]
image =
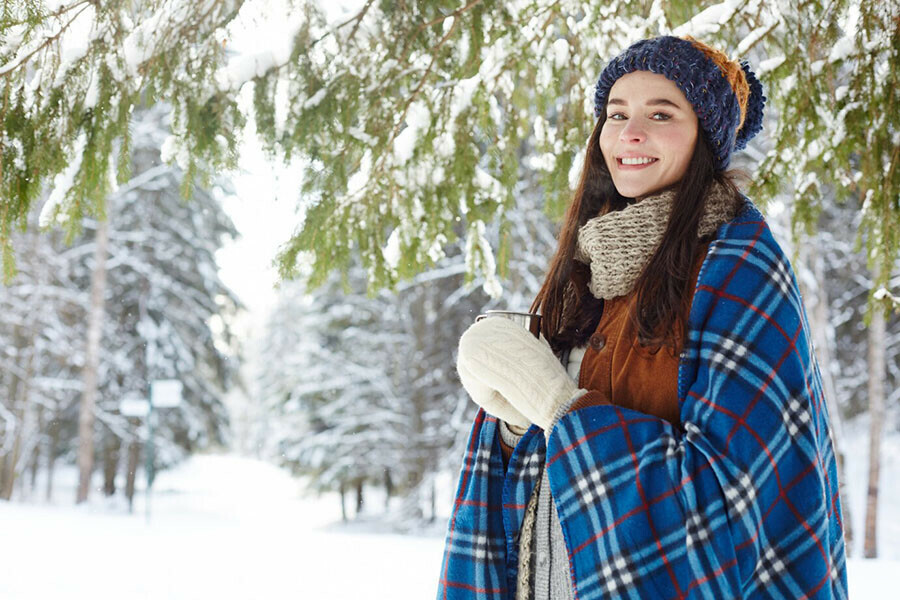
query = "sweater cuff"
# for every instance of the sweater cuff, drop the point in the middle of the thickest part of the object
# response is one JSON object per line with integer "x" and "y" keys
{"x": 592, "y": 398}
{"x": 563, "y": 409}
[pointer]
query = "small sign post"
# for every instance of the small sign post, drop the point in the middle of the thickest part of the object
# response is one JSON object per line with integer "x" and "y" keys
{"x": 164, "y": 393}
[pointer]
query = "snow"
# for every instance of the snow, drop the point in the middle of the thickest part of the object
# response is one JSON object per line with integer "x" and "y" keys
{"x": 709, "y": 20}
{"x": 418, "y": 120}
{"x": 221, "y": 527}
{"x": 392, "y": 249}
{"x": 75, "y": 41}
{"x": 754, "y": 36}
{"x": 272, "y": 20}
{"x": 560, "y": 50}
{"x": 770, "y": 64}
{"x": 314, "y": 100}
{"x": 62, "y": 183}
{"x": 228, "y": 527}
{"x": 856, "y": 449}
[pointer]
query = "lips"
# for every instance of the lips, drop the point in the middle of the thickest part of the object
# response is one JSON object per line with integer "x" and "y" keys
{"x": 624, "y": 167}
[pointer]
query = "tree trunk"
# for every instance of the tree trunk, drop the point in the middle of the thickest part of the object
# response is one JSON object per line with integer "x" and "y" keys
{"x": 91, "y": 366}
{"x": 359, "y": 496}
{"x": 36, "y": 453}
{"x": 876, "y": 416}
{"x": 52, "y": 446}
{"x": 110, "y": 464}
{"x": 10, "y": 459}
{"x": 388, "y": 488}
{"x": 823, "y": 338}
{"x": 433, "y": 516}
{"x": 18, "y": 399}
{"x": 343, "y": 503}
{"x": 134, "y": 457}
{"x": 33, "y": 469}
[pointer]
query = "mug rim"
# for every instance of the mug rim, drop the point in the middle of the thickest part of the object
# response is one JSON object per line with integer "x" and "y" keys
{"x": 510, "y": 312}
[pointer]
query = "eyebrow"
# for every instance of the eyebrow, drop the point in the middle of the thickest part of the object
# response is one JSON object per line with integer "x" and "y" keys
{"x": 654, "y": 102}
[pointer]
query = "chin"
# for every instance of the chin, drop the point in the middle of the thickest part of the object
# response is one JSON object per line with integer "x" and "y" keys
{"x": 639, "y": 191}
{"x": 634, "y": 191}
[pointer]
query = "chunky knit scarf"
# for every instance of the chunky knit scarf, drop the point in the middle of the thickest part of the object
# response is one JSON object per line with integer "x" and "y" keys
{"x": 619, "y": 244}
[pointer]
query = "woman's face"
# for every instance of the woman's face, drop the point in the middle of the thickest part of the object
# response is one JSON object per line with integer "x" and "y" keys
{"x": 647, "y": 117}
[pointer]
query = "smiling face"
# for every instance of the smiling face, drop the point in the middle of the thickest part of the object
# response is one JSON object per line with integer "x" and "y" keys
{"x": 648, "y": 122}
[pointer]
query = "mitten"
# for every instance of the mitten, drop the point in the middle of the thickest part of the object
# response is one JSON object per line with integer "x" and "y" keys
{"x": 503, "y": 356}
{"x": 488, "y": 399}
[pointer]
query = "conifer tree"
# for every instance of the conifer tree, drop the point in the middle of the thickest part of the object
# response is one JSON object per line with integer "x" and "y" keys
{"x": 413, "y": 114}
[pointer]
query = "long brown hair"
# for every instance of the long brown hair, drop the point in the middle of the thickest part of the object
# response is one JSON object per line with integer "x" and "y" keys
{"x": 662, "y": 288}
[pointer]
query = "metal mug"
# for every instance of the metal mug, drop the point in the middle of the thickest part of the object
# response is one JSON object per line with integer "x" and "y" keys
{"x": 530, "y": 321}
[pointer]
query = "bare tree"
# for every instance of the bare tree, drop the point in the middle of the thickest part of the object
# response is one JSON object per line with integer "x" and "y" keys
{"x": 92, "y": 363}
{"x": 876, "y": 422}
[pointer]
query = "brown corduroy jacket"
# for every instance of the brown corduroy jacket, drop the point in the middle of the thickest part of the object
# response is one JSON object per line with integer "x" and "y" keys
{"x": 616, "y": 369}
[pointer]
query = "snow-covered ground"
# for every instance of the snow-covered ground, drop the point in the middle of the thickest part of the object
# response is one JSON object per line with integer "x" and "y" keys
{"x": 220, "y": 527}
{"x": 233, "y": 528}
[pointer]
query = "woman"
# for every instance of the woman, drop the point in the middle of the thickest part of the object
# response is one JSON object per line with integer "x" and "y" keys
{"x": 666, "y": 437}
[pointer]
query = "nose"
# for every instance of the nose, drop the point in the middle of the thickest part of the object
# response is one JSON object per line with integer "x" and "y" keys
{"x": 632, "y": 132}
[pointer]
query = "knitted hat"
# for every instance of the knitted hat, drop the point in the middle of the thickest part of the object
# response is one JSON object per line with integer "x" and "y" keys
{"x": 727, "y": 97}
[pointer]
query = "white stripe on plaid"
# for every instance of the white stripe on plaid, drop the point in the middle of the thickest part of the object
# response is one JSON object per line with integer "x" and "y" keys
{"x": 697, "y": 529}
{"x": 730, "y": 357}
{"x": 477, "y": 545}
{"x": 591, "y": 488}
{"x": 740, "y": 495}
{"x": 532, "y": 466}
{"x": 769, "y": 567}
{"x": 618, "y": 575}
{"x": 780, "y": 275}
{"x": 482, "y": 463}
{"x": 796, "y": 418}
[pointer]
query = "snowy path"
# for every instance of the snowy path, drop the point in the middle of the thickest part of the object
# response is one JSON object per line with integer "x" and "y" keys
{"x": 221, "y": 527}
{"x": 233, "y": 529}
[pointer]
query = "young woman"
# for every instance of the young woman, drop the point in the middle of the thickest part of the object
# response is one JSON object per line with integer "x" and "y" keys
{"x": 667, "y": 436}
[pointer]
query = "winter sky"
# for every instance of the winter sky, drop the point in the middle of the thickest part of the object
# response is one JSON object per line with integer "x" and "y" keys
{"x": 266, "y": 207}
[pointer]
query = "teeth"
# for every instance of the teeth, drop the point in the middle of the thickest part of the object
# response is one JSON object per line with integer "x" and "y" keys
{"x": 637, "y": 161}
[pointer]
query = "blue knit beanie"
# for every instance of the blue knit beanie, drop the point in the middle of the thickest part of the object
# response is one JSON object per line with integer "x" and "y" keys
{"x": 727, "y": 98}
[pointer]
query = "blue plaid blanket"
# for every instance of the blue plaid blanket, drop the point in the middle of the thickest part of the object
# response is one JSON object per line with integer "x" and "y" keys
{"x": 740, "y": 501}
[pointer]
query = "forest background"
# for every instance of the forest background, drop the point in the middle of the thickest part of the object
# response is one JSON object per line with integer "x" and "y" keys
{"x": 434, "y": 146}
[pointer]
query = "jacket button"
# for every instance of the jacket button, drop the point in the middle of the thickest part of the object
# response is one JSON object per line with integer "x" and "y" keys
{"x": 598, "y": 341}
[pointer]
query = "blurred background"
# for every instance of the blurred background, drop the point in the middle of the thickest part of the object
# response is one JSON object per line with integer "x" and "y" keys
{"x": 242, "y": 238}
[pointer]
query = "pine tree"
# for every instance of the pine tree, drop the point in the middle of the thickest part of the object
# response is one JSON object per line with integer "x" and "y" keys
{"x": 162, "y": 292}
{"x": 413, "y": 114}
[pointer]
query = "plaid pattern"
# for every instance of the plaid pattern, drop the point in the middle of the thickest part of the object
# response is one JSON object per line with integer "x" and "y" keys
{"x": 741, "y": 501}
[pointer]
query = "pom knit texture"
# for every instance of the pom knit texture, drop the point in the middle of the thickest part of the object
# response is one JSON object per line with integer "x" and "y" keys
{"x": 709, "y": 90}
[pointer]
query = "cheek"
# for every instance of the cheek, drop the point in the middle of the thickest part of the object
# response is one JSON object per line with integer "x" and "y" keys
{"x": 680, "y": 144}
{"x": 681, "y": 140}
{"x": 607, "y": 138}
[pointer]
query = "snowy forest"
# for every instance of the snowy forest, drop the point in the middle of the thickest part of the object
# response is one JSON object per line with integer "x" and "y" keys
{"x": 437, "y": 144}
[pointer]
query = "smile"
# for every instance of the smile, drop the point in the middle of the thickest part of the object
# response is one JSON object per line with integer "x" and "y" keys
{"x": 631, "y": 163}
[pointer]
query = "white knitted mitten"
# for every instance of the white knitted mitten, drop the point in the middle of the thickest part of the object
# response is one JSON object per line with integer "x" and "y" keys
{"x": 503, "y": 356}
{"x": 488, "y": 399}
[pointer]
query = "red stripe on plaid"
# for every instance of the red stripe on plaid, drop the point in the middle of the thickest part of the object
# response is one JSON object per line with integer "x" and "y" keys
{"x": 471, "y": 588}
{"x": 716, "y": 573}
{"x": 585, "y": 438}
{"x": 646, "y": 508}
{"x": 476, "y": 431}
{"x": 459, "y": 502}
{"x": 782, "y": 491}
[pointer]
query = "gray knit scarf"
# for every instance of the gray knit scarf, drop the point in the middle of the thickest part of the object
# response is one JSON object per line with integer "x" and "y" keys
{"x": 619, "y": 244}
